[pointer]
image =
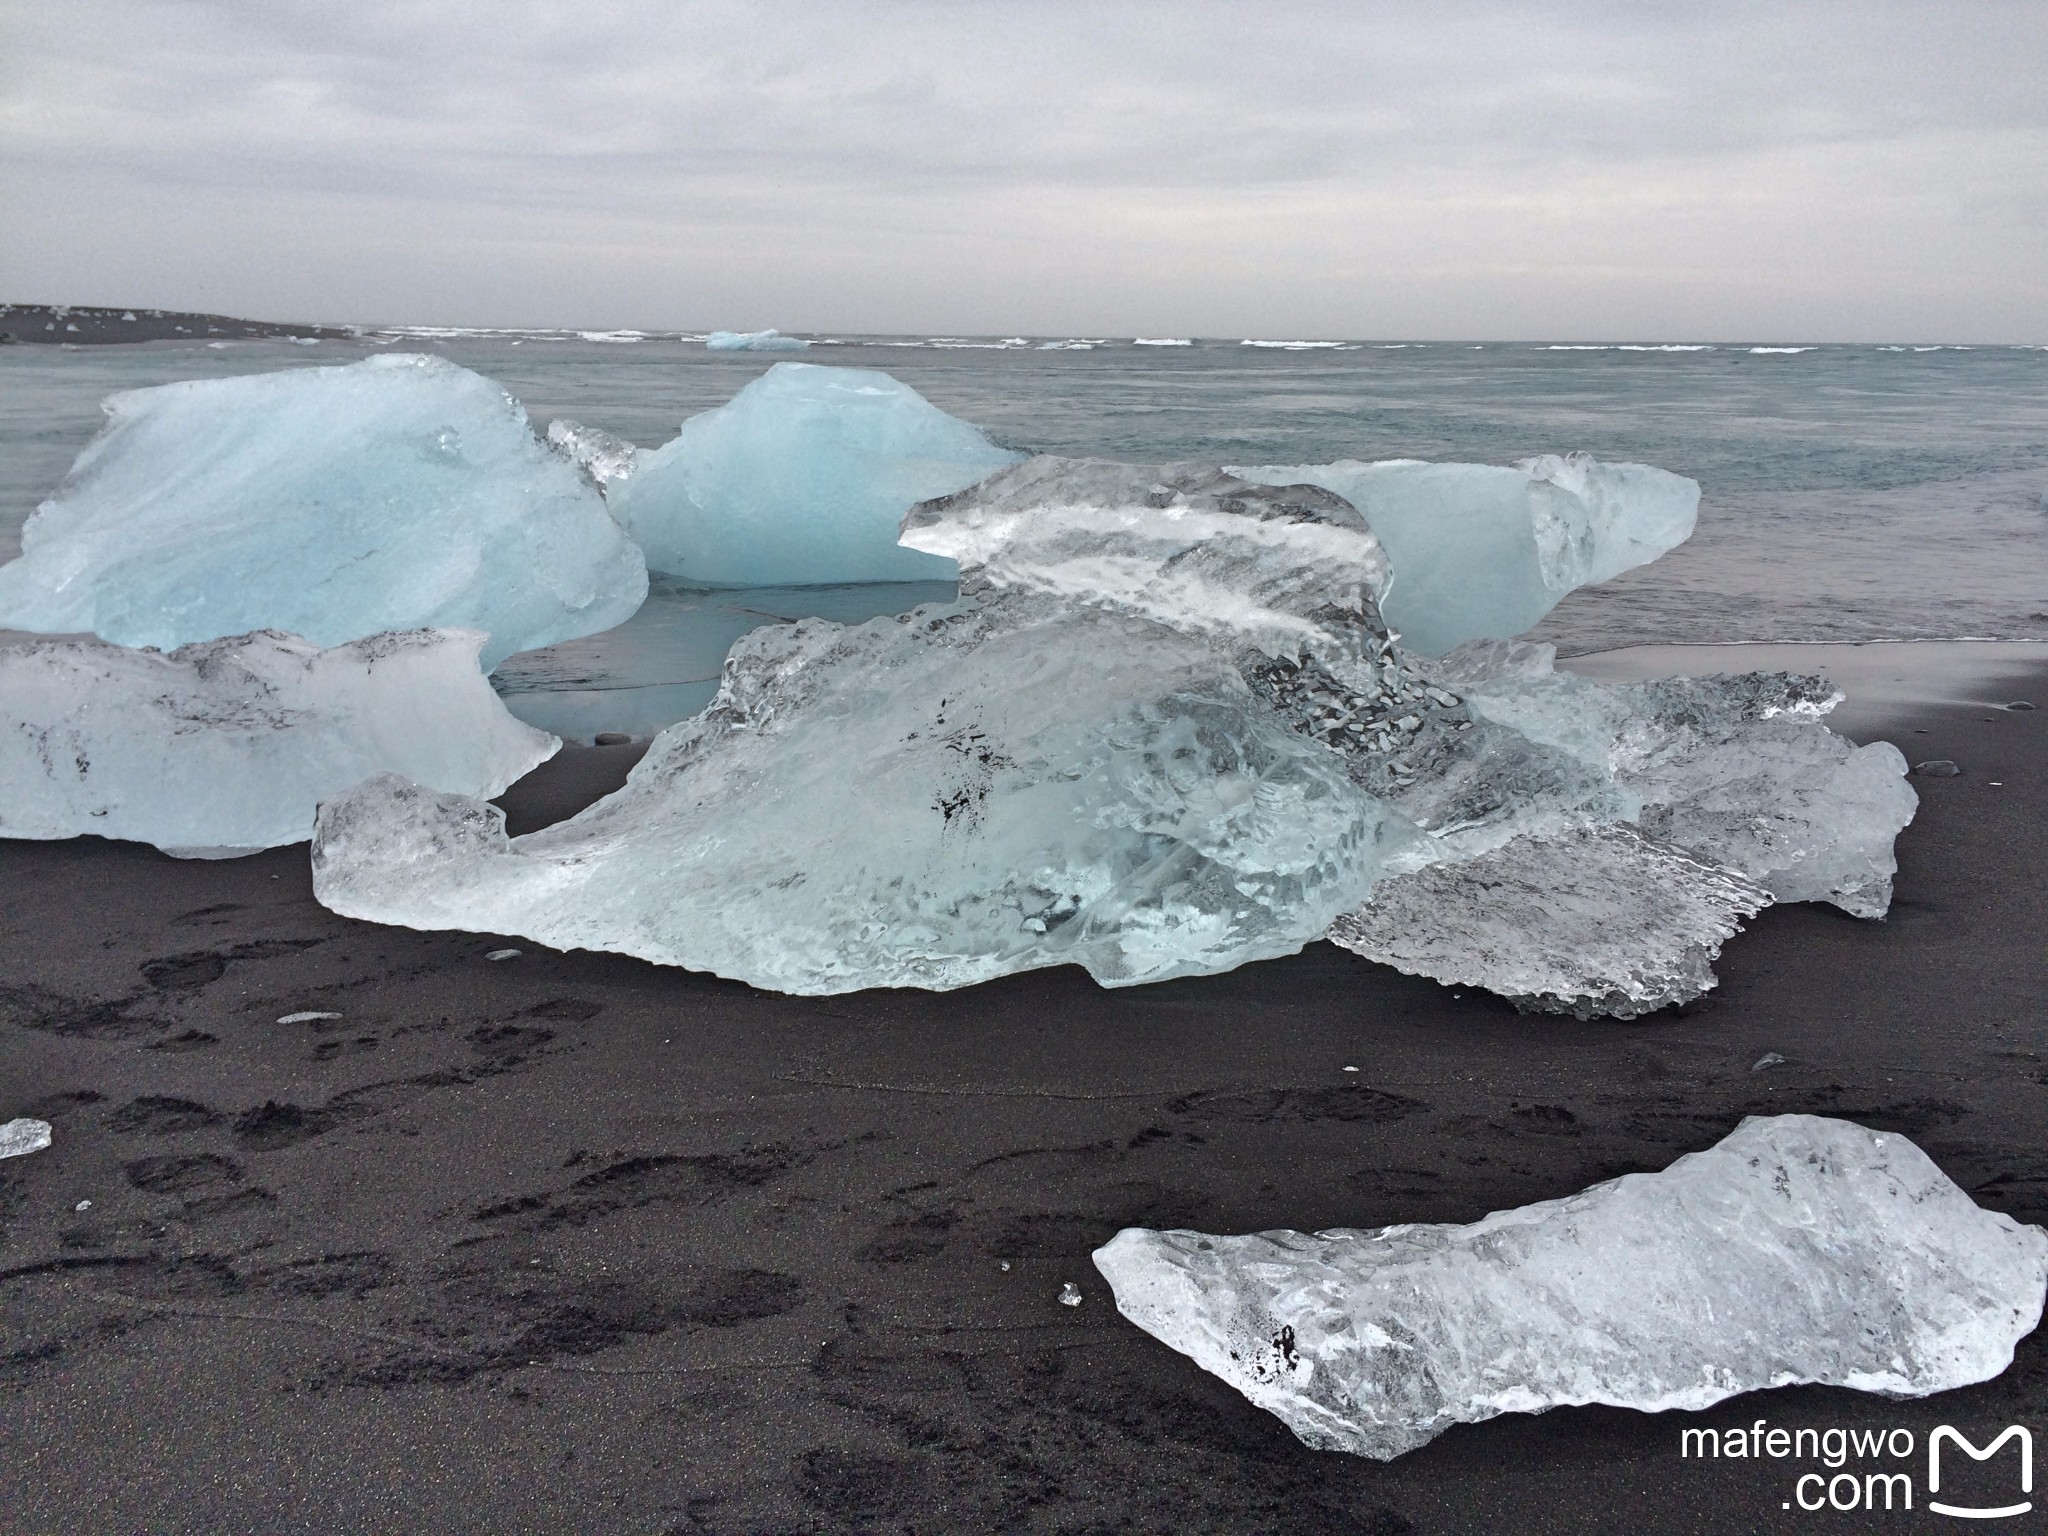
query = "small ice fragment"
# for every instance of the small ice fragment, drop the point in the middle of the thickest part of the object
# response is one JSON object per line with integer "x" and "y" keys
{"x": 604, "y": 458}
{"x": 2019, "y": 704}
{"x": 1767, "y": 1060}
{"x": 18, "y": 1138}
{"x": 1004, "y": 1266}
{"x": 83, "y": 1205}
{"x": 1351, "y": 1069}
{"x": 1070, "y": 1295}
{"x": 1936, "y": 768}
{"x": 502, "y": 954}
{"x": 310, "y": 1016}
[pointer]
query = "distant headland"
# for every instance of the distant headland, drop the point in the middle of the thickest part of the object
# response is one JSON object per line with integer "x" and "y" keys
{"x": 29, "y": 324}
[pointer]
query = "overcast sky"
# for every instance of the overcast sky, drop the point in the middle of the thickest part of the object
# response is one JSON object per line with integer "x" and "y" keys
{"x": 1626, "y": 171}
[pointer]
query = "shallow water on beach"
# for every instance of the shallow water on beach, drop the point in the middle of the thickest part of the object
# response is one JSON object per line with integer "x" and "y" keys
{"x": 1850, "y": 492}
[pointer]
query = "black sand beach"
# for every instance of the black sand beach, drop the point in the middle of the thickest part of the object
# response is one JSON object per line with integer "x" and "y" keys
{"x": 571, "y": 1243}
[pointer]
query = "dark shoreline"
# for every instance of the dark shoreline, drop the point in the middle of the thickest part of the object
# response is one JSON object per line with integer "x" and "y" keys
{"x": 571, "y": 1242}
{"x": 95, "y": 325}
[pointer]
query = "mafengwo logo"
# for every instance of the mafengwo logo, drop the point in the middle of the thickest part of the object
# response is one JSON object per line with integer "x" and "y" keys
{"x": 1874, "y": 1470}
{"x": 1944, "y": 1435}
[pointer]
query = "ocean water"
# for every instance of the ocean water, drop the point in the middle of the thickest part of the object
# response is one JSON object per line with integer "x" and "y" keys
{"x": 1849, "y": 492}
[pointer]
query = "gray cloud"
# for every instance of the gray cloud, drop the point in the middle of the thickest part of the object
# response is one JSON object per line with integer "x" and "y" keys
{"x": 1453, "y": 169}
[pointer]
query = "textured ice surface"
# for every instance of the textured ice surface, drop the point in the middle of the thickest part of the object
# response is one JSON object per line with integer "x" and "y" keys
{"x": 755, "y": 341}
{"x": 800, "y": 480}
{"x": 1799, "y": 1249}
{"x": 1195, "y": 549}
{"x": 397, "y": 493}
{"x": 603, "y": 457}
{"x": 931, "y": 801}
{"x": 1484, "y": 552}
{"x": 1163, "y": 733}
{"x": 226, "y": 746}
{"x": 1595, "y": 921}
{"x": 18, "y": 1138}
{"x": 1737, "y": 769}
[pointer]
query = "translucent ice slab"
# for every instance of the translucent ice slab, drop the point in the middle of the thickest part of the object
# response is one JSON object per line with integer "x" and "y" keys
{"x": 1799, "y": 1249}
{"x": 397, "y": 493}
{"x": 226, "y": 746}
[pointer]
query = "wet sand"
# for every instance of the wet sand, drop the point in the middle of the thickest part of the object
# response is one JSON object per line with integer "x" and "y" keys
{"x": 568, "y": 1242}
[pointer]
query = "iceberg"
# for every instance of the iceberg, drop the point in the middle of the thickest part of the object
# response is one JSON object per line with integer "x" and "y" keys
{"x": 1163, "y": 732}
{"x": 226, "y": 746}
{"x": 398, "y": 493}
{"x": 754, "y": 341}
{"x": 800, "y": 480}
{"x": 1479, "y": 551}
{"x": 1798, "y": 1249}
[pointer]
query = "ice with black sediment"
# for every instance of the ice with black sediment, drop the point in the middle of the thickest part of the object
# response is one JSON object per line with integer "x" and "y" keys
{"x": 1798, "y": 1249}
{"x": 226, "y": 746}
{"x": 1165, "y": 731}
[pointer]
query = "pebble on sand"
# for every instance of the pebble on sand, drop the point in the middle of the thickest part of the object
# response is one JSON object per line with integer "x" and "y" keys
{"x": 1768, "y": 1059}
{"x": 18, "y": 1138}
{"x": 1936, "y": 768}
{"x": 613, "y": 739}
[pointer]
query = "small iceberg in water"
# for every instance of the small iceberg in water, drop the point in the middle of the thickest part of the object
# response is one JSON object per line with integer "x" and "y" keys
{"x": 754, "y": 341}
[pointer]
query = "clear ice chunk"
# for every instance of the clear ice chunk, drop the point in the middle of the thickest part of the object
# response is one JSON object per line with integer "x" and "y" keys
{"x": 1799, "y": 1249}
{"x": 1594, "y": 921}
{"x": 18, "y": 1138}
{"x": 1478, "y": 551}
{"x": 397, "y": 493}
{"x": 1737, "y": 769}
{"x": 801, "y": 480}
{"x": 755, "y": 341}
{"x": 602, "y": 456}
{"x": 1163, "y": 732}
{"x": 226, "y": 746}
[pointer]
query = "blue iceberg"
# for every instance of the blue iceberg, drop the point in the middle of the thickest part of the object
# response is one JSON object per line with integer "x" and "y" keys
{"x": 754, "y": 341}
{"x": 801, "y": 480}
{"x": 398, "y": 493}
{"x": 1481, "y": 552}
